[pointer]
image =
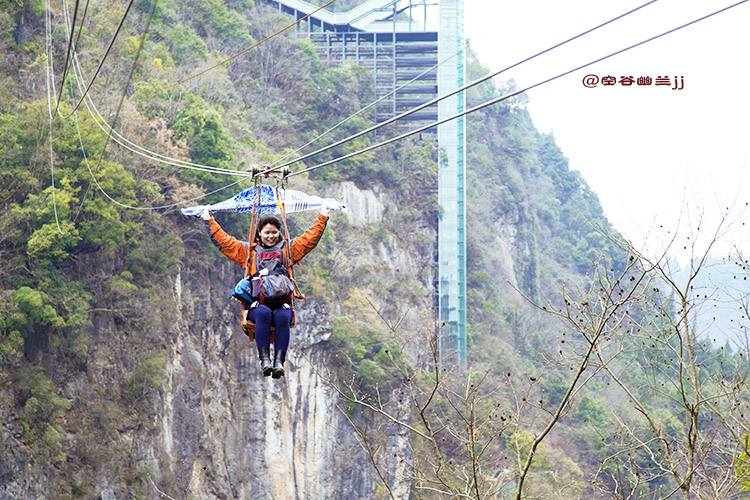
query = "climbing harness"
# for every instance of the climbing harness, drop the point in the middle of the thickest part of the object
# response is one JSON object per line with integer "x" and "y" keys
{"x": 281, "y": 178}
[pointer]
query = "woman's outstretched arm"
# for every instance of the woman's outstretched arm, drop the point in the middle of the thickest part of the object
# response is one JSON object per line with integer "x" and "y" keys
{"x": 302, "y": 245}
{"x": 228, "y": 245}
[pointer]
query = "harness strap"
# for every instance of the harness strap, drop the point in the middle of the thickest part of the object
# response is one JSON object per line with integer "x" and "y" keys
{"x": 297, "y": 292}
{"x": 247, "y": 325}
{"x": 251, "y": 238}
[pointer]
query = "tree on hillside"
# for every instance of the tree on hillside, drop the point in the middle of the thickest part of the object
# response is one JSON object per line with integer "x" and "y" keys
{"x": 675, "y": 422}
{"x": 684, "y": 428}
{"x": 481, "y": 434}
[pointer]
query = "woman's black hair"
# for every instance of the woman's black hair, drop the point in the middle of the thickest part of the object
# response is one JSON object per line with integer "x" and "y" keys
{"x": 264, "y": 221}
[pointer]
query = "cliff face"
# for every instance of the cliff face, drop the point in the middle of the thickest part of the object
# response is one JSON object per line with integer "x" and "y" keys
{"x": 236, "y": 434}
{"x": 167, "y": 397}
{"x": 263, "y": 438}
{"x": 213, "y": 426}
{"x": 123, "y": 369}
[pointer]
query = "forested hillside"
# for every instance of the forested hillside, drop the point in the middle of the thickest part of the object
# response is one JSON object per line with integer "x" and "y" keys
{"x": 124, "y": 372}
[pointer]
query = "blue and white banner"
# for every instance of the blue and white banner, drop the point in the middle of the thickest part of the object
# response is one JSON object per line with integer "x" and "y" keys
{"x": 295, "y": 201}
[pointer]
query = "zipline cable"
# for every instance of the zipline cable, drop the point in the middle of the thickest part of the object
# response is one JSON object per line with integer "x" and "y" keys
{"x": 80, "y": 81}
{"x": 88, "y": 165}
{"x": 508, "y": 96}
{"x": 239, "y": 53}
{"x": 149, "y": 154}
{"x": 354, "y": 115}
{"x": 133, "y": 147}
{"x": 144, "y": 152}
{"x": 123, "y": 141}
{"x": 461, "y": 89}
{"x": 502, "y": 98}
{"x": 547, "y": 50}
{"x": 131, "y": 207}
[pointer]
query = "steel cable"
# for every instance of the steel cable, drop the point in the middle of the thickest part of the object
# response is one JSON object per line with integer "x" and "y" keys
{"x": 101, "y": 62}
{"x": 67, "y": 55}
{"x": 512, "y": 94}
{"x": 239, "y": 53}
{"x": 123, "y": 141}
{"x": 119, "y": 107}
{"x": 354, "y": 115}
{"x": 140, "y": 150}
{"x": 461, "y": 89}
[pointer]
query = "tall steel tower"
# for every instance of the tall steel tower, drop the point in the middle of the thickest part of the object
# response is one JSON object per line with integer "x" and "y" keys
{"x": 391, "y": 38}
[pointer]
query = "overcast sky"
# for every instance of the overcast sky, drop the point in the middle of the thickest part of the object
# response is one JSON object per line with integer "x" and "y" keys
{"x": 655, "y": 156}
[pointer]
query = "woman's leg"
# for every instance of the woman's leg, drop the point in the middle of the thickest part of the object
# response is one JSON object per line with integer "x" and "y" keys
{"x": 261, "y": 316}
{"x": 281, "y": 320}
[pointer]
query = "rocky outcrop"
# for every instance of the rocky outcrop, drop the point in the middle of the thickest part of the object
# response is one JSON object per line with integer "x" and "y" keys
{"x": 363, "y": 207}
{"x": 236, "y": 434}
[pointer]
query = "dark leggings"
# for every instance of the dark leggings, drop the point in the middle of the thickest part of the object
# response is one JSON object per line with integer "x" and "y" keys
{"x": 264, "y": 318}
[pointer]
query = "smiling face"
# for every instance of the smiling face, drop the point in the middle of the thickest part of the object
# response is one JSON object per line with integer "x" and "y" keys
{"x": 269, "y": 235}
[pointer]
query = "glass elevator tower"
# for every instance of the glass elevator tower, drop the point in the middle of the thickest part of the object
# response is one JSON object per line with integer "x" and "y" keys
{"x": 452, "y": 187}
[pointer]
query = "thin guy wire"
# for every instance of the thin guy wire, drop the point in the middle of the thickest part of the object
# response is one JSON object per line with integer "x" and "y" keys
{"x": 140, "y": 150}
{"x": 74, "y": 45}
{"x": 146, "y": 153}
{"x": 122, "y": 99}
{"x": 88, "y": 165}
{"x": 99, "y": 119}
{"x": 508, "y": 96}
{"x": 101, "y": 62}
{"x": 461, "y": 89}
{"x": 440, "y": 63}
{"x": 239, "y": 53}
{"x": 48, "y": 35}
{"x": 131, "y": 207}
{"x": 67, "y": 55}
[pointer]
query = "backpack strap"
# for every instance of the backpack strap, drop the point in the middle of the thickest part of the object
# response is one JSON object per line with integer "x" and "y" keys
{"x": 280, "y": 247}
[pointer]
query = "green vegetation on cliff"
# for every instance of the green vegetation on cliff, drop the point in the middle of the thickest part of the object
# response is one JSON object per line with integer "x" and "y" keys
{"x": 81, "y": 276}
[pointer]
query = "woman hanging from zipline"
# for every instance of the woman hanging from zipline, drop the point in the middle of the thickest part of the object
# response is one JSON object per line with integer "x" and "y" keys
{"x": 267, "y": 288}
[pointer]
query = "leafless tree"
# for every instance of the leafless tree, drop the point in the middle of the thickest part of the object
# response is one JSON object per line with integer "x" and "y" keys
{"x": 676, "y": 415}
{"x": 453, "y": 423}
{"x": 463, "y": 428}
{"x": 690, "y": 398}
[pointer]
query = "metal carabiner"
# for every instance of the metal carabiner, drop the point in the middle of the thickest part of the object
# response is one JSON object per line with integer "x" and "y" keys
{"x": 280, "y": 192}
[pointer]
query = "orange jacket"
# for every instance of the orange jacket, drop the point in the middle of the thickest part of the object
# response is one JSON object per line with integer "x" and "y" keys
{"x": 237, "y": 251}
